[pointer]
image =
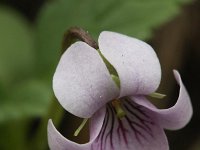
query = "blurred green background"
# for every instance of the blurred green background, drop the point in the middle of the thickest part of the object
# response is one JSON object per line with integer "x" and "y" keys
{"x": 31, "y": 32}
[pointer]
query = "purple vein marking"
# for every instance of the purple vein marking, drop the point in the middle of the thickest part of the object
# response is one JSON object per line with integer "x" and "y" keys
{"x": 144, "y": 124}
{"x": 123, "y": 131}
{"x": 137, "y": 120}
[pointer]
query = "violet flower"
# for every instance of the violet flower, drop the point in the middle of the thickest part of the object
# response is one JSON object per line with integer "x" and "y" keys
{"x": 121, "y": 117}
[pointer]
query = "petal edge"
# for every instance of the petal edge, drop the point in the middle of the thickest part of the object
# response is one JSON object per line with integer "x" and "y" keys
{"x": 57, "y": 141}
{"x": 178, "y": 115}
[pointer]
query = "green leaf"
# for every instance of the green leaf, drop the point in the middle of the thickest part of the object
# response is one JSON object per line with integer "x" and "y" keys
{"x": 136, "y": 18}
{"x": 21, "y": 95}
{"x": 15, "y": 131}
{"x": 16, "y": 47}
{"x": 29, "y": 98}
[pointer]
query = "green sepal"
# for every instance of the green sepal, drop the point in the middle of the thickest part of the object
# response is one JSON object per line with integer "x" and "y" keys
{"x": 116, "y": 80}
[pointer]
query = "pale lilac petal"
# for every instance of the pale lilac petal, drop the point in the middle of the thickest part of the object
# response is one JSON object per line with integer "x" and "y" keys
{"x": 135, "y": 62}
{"x": 82, "y": 83}
{"x": 57, "y": 141}
{"x": 136, "y": 131}
{"x": 175, "y": 117}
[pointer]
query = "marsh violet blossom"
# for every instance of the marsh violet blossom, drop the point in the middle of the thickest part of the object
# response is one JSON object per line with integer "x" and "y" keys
{"x": 84, "y": 87}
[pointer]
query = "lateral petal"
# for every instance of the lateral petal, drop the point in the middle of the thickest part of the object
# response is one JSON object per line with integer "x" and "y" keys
{"x": 135, "y": 62}
{"x": 82, "y": 83}
{"x": 175, "y": 117}
{"x": 57, "y": 141}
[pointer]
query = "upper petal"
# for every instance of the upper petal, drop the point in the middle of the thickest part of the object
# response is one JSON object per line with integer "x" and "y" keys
{"x": 135, "y": 62}
{"x": 175, "y": 117}
{"x": 82, "y": 83}
{"x": 58, "y": 142}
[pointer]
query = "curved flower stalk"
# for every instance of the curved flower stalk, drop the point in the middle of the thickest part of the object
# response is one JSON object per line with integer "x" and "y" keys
{"x": 84, "y": 87}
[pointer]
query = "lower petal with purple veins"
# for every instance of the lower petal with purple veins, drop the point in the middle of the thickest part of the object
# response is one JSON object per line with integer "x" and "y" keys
{"x": 137, "y": 130}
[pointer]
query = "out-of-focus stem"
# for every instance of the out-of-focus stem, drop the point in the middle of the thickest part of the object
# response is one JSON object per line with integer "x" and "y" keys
{"x": 55, "y": 112}
{"x": 74, "y": 34}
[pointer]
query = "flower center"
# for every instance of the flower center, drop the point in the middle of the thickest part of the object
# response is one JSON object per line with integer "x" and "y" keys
{"x": 118, "y": 108}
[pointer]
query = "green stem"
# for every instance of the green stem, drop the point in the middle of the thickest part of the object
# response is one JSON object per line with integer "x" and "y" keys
{"x": 76, "y": 33}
